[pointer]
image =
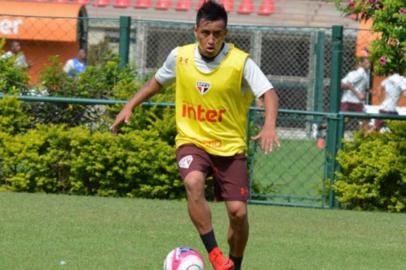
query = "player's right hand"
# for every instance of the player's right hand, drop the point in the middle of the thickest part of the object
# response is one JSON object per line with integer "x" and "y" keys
{"x": 123, "y": 116}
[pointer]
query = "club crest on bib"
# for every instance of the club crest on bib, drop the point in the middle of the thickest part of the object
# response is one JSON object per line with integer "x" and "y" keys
{"x": 203, "y": 87}
{"x": 185, "y": 162}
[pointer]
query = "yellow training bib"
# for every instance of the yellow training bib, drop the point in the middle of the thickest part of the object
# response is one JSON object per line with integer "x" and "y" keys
{"x": 211, "y": 109}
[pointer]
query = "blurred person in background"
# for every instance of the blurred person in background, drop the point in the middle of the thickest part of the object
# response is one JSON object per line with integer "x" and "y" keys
{"x": 391, "y": 89}
{"x": 355, "y": 86}
{"x": 15, "y": 51}
{"x": 77, "y": 65}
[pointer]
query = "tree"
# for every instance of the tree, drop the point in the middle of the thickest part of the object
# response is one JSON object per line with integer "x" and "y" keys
{"x": 388, "y": 53}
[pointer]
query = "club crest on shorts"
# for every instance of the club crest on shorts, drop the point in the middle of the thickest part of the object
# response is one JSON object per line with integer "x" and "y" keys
{"x": 185, "y": 162}
{"x": 203, "y": 87}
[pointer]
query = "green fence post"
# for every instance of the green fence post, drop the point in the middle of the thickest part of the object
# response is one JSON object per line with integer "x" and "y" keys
{"x": 333, "y": 122}
{"x": 124, "y": 46}
{"x": 319, "y": 73}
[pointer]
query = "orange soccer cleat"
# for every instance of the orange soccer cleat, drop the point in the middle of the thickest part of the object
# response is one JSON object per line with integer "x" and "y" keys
{"x": 219, "y": 261}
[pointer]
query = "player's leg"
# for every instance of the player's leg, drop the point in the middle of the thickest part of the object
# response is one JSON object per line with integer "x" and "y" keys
{"x": 238, "y": 230}
{"x": 198, "y": 207}
{"x": 194, "y": 165}
{"x": 231, "y": 174}
{"x": 200, "y": 214}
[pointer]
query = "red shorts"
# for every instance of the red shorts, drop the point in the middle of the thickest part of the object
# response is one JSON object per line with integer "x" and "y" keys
{"x": 351, "y": 107}
{"x": 230, "y": 173}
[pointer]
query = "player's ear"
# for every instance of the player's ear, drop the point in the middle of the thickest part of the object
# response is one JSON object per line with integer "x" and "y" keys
{"x": 195, "y": 31}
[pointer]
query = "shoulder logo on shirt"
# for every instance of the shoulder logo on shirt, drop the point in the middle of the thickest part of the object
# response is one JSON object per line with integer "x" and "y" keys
{"x": 183, "y": 60}
{"x": 203, "y": 87}
{"x": 185, "y": 162}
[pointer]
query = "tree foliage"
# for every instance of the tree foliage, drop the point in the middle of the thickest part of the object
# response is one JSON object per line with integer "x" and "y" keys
{"x": 388, "y": 53}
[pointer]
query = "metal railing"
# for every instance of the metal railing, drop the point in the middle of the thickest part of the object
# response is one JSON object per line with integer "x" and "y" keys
{"x": 304, "y": 64}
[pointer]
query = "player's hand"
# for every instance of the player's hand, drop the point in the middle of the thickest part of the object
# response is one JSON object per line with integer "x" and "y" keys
{"x": 123, "y": 116}
{"x": 267, "y": 138}
{"x": 361, "y": 96}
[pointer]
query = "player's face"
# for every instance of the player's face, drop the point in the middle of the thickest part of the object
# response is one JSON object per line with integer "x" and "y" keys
{"x": 366, "y": 64}
{"x": 210, "y": 35}
{"x": 82, "y": 54}
{"x": 16, "y": 47}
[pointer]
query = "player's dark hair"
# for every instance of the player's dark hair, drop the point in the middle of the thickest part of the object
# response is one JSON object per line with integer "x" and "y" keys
{"x": 14, "y": 43}
{"x": 211, "y": 11}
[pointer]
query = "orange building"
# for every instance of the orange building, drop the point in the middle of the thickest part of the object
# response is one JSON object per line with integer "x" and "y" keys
{"x": 43, "y": 29}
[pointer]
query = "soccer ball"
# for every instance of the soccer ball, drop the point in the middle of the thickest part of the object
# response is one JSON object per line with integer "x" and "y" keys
{"x": 183, "y": 258}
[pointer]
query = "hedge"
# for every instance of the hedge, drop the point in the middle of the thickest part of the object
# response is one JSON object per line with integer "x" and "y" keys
{"x": 373, "y": 171}
{"x": 56, "y": 159}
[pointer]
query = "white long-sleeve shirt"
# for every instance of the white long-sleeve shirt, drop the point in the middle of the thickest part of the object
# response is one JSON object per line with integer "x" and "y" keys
{"x": 19, "y": 60}
{"x": 394, "y": 86}
{"x": 360, "y": 80}
{"x": 254, "y": 78}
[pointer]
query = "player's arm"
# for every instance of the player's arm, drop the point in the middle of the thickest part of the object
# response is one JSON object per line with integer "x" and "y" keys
{"x": 267, "y": 135}
{"x": 263, "y": 90}
{"x": 348, "y": 84}
{"x": 164, "y": 75}
{"x": 147, "y": 90}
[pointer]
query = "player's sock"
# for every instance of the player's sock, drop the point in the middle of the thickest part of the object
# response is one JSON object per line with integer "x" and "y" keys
{"x": 237, "y": 262}
{"x": 209, "y": 241}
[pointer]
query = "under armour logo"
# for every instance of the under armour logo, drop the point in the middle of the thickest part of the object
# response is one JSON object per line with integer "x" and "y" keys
{"x": 183, "y": 60}
{"x": 243, "y": 191}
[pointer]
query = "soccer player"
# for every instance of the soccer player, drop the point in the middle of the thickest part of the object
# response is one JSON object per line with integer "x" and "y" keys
{"x": 211, "y": 117}
{"x": 392, "y": 88}
{"x": 355, "y": 84}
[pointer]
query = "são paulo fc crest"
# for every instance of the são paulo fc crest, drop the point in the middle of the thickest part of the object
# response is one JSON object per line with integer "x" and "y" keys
{"x": 203, "y": 87}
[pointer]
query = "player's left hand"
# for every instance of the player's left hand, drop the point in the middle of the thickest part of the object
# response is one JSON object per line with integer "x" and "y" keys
{"x": 267, "y": 138}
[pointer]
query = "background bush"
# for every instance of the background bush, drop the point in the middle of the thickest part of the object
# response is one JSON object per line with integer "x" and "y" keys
{"x": 13, "y": 78}
{"x": 12, "y": 119}
{"x": 57, "y": 159}
{"x": 373, "y": 171}
{"x": 69, "y": 148}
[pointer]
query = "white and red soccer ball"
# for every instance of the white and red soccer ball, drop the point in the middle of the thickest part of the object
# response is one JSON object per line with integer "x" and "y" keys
{"x": 183, "y": 258}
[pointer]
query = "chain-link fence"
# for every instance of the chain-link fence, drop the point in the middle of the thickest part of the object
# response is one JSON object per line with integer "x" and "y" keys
{"x": 296, "y": 60}
{"x": 294, "y": 173}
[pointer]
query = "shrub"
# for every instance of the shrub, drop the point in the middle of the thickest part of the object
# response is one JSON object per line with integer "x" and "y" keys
{"x": 57, "y": 159}
{"x": 13, "y": 79}
{"x": 95, "y": 82}
{"x": 12, "y": 119}
{"x": 373, "y": 171}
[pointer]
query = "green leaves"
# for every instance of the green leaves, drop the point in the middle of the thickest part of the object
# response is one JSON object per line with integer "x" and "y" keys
{"x": 57, "y": 159}
{"x": 12, "y": 119}
{"x": 373, "y": 171}
{"x": 388, "y": 52}
{"x": 13, "y": 78}
{"x": 68, "y": 148}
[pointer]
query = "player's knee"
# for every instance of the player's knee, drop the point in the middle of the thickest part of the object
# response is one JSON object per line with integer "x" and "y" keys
{"x": 194, "y": 188}
{"x": 238, "y": 215}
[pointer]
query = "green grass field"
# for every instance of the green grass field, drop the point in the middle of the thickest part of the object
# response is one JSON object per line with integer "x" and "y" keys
{"x": 296, "y": 168}
{"x": 38, "y": 231}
